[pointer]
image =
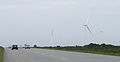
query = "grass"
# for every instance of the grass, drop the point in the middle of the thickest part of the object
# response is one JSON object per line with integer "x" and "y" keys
{"x": 1, "y": 54}
{"x": 91, "y": 48}
{"x": 86, "y": 51}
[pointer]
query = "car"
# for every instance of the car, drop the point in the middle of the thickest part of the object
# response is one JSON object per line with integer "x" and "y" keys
{"x": 14, "y": 47}
{"x": 27, "y": 47}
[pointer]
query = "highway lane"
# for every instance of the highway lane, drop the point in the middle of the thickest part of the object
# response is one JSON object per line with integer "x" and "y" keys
{"x": 42, "y": 55}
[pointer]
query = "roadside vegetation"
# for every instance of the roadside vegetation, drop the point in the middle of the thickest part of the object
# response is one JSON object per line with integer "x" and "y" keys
{"x": 1, "y": 54}
{"x": 105, "y": 49}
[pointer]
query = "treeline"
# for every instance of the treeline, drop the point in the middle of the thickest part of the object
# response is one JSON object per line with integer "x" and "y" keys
{"x": 91, "y": 48}
{"x": 1, "y": 47}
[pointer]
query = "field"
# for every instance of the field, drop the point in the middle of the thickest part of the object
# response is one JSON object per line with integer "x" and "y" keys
{"x": 1, "y": 54}
{"x": 91, "y": 48}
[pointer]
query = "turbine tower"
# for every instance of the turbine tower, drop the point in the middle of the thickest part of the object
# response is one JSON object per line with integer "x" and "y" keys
{"x": 52, "y": 35}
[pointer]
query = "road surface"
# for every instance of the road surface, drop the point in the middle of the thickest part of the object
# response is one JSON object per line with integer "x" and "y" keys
{"x": 42, "y": 55}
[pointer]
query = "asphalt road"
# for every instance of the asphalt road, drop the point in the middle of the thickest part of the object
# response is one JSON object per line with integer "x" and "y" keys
{"x": 41, "y": 55}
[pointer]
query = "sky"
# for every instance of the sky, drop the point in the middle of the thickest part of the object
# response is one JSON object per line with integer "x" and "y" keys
{"x": 59, "y": 22}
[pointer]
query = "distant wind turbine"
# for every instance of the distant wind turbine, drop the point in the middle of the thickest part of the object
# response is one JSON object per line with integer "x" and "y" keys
{"x": 86, "y": 25}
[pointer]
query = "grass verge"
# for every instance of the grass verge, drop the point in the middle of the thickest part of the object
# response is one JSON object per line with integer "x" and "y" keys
{"x": 112, "y": 52}
{"x": 106, "y": 49}
{"x": 1, "y": 54}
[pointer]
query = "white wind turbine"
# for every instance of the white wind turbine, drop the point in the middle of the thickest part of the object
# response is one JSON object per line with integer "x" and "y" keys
{"x": 86, "y": 25}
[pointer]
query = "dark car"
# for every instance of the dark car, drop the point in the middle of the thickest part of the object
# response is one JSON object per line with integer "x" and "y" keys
{"x": 14, "y": 47}
{"x": 27, "y": 47}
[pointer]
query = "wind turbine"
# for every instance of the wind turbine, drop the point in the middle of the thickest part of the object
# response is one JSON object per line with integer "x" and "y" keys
{"x": 86, "y": 25}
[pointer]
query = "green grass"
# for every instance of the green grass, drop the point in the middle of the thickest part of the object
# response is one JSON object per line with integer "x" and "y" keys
{"x": 87, "y": 51}
{"x": 91, "y": 48}
{"x": 1, "y": 54}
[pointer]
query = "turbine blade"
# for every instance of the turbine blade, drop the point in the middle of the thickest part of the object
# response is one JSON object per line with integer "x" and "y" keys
{"x": 89, "y": 29}
{"x": 87, "y": 20}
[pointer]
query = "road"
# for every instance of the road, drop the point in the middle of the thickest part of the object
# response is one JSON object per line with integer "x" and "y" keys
{"x": 42, "y": 55}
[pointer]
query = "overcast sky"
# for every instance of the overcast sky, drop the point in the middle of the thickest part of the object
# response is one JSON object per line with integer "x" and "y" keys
{"x": 32, "y": 21}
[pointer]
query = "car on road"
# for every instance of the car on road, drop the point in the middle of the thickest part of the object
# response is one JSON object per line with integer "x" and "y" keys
{"x": 14, "y": 47}
{"x": 27, "y": 47}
